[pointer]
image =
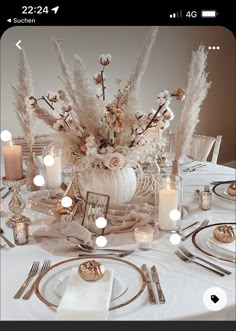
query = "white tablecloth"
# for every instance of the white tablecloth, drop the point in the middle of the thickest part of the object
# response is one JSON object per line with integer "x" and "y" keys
{"x": 183, "y": 284}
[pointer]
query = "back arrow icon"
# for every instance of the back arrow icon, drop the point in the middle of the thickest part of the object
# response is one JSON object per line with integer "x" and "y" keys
{"x": 17, "y": 44}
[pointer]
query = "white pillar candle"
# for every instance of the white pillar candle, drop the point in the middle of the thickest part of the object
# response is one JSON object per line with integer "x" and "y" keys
{"x": 168, "y": 201}
{"x": 53, "y": 173}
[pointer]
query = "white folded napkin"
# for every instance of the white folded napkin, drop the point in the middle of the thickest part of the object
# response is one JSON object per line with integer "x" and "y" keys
{"x": 229, "y": 247}
{"x": 84, "y": 300}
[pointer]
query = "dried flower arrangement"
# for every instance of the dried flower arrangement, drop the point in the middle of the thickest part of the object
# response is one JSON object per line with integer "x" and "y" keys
{"x": 99, "y": 134}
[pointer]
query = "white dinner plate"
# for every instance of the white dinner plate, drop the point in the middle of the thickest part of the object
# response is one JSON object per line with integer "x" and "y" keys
{"x": 220, "y": 190}
{"x": 202, "y": 240}
{"x": 128, "y": 281}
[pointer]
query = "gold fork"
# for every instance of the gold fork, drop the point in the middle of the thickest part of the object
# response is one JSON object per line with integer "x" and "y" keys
{"x": 45, "y": 266}
{"x": 32, "y": 273}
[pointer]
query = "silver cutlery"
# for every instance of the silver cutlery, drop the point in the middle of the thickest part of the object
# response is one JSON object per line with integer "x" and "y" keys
{"x": 193, "y": 168}
{"x": 187, "y": 227}
{"x": 192, "y": 256}
{"x": 33, "y": 271}
{"x": 151, "y": 294}
{"x": 156, "y": 280}
{"x": 187, "y": 260}
{"x": 202, "y": 225}
{"x": 2, "y": 188}
{"x": 2, "y": 246}
{"x": 121, "y": 254}
{"x": 5, "y": 239}
{"x": 45, "y": 266}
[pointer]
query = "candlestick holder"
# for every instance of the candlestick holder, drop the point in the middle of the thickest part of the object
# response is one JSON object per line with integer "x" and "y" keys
{"x": 16, "y": 204}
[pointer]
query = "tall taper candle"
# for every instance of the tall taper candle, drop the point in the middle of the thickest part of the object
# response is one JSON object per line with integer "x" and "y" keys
{"x": 12, "y": 155}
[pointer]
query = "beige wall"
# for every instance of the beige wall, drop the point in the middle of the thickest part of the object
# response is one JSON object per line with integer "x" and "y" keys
{"x": 167, "y": 69}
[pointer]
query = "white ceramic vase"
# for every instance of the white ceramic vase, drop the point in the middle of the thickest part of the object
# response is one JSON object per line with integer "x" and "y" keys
{"x": 119, "y": 184}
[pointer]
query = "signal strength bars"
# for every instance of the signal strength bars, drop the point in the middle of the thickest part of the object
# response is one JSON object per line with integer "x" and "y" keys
{"x": 178, "y": 14}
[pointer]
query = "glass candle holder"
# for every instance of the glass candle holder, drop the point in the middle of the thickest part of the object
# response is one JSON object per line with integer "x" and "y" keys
{"x": 204, "y": 199}
{"x": 169, "y": 203}
{"x": 52, "y": 160}
{"x": 144, "y": 236}
{"x": 20, "y": 233}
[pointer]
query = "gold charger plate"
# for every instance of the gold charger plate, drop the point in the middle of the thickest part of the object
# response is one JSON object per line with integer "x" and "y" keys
{"x": 200, "y": 240}
{"x": 129, "y": 279}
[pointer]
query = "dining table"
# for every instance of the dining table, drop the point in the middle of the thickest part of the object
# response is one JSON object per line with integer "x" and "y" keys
{"x": 183, "y": 284}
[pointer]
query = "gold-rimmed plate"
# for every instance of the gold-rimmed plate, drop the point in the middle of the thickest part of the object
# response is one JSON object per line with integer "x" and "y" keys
{"x": 202, "y": 240}
{"x": 220, "y": 190}
{"x": 128, "y": 280}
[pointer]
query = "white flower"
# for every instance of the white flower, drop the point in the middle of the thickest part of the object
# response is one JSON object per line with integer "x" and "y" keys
{"x": 139, "y": 114}
{"x": 168, "y": 114}
{"x": 161, "y": 101}
{"x": 99, "y": 92}
{"x": 91, "y": 151}
{"x": 141, "y": 142}
{"x": 66, "y": 108}
{"x": 114, "y": 161}
{"x": 90, "y": 142}
{"x": 30, "y": 102}
{"x": 161, "y": 95}
{"x": 103, "y": 150}
{"x": 56, "y": 115}
{"x": 151, "y": 114}
{"x": 59, "y": 125}
{"x": 105, "y": 59}
{"x": 53, "y": 96}
{"x": 166, "y": 124}
{"x": 61, "y": 95}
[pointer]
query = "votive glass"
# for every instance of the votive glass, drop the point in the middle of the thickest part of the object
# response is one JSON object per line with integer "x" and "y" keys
{"x": 20, "y": 233}
{"x": 144, "y": 237}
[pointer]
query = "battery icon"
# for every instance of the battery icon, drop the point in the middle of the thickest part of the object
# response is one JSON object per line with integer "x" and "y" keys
{"x": 208, "y": 13}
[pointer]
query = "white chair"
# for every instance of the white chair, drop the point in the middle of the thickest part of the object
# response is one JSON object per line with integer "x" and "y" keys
{"x": 201, "y": 147}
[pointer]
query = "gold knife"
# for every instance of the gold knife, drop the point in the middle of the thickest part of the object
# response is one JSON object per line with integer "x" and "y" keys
{"x": 155, "y": 278}
{"x": 152, "y": 298}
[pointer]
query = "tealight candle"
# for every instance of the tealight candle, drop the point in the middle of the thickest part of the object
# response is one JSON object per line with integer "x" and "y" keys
{"x": 144, "y": 236}
{"x": 20, "y": 232}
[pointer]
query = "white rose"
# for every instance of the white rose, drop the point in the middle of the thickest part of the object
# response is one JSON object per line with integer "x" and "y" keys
{"x": 114, "y": 161}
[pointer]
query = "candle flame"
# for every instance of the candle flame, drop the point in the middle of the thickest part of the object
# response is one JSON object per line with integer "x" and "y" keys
{"x": 10, "y": 143}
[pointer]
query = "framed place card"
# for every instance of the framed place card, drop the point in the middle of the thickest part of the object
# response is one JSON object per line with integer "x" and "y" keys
{"x": 96, "y": 206}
